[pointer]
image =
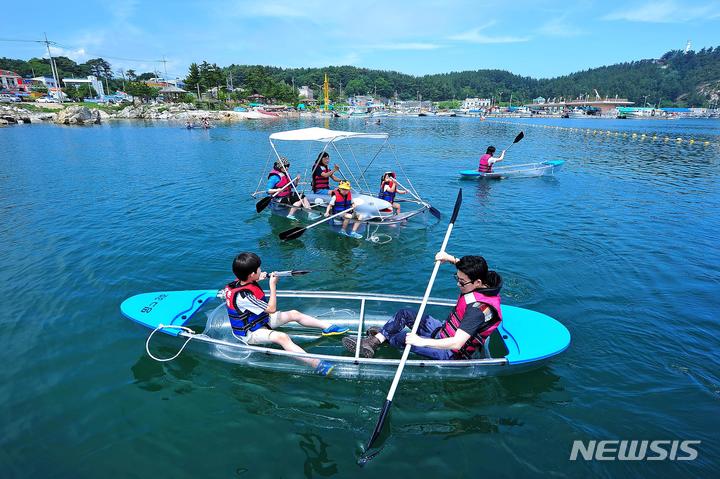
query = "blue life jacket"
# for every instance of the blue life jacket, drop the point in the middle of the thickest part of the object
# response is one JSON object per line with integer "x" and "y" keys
{"x": 244, "y": 321}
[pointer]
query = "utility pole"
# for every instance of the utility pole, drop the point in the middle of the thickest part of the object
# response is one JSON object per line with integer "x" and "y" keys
{"x": 164, "y": 62}
{"x": 53, "y": 68}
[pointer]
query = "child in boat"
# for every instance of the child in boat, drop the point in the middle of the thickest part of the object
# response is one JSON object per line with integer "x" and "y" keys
{"x": 488, "y": 160}
{"x": 475, "y": 316}
{"x": 341, "y": 200}
{"x": 254, "y": 316}
{"x": 388, "y": 190}
{"x": 279, "y": 182}
{"x": 322, "y": 173}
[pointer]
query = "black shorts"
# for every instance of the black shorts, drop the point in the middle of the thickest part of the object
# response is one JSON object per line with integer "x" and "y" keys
{"x": 291, "y": 198}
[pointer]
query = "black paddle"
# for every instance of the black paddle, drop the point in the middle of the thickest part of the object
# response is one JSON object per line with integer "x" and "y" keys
{"x": 263, "y": 203}
{"x": 298, "y": 231}
{"x": 388, "y": 402}
{"x": 520, "y": 136}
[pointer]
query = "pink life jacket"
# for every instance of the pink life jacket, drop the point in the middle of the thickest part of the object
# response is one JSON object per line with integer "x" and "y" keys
{"x": 284, "y": 180}
{"x": 485, "y": 166}
{"x": 477, "y": 340}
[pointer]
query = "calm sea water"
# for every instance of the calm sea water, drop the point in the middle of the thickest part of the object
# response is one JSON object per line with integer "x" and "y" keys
{"x": 621, "y": 246}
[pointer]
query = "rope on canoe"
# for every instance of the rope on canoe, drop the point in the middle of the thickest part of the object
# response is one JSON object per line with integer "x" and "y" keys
{"x": 168, "y": 326}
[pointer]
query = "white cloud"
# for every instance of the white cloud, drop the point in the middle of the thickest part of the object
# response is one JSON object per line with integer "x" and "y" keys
{"x": 77, "y": 55}
{"x": 559, "y": 27}
{"x": 666, "y": 11}
{"x": 476, "y": 35}
{"x": 404, "y": 46}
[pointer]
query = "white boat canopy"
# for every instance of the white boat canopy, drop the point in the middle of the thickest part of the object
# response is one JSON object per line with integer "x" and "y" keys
{"x": 323, "y": 135}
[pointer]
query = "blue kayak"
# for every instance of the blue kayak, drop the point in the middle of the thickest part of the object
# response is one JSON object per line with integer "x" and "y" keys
{"x": 526, "y": 170}
{"x": 524, "y": 340}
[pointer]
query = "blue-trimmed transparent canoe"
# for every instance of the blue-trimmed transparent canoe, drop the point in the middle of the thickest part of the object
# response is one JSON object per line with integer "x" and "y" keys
{"x": 525, "y": 339}
{"x": 527, "y": 170}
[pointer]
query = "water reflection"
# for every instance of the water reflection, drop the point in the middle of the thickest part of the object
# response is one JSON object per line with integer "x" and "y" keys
{"x": 316, "y": 457}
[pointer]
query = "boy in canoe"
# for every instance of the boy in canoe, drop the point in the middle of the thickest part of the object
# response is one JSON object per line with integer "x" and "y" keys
{"x": 341, "y": 200}
{"x": 254, "y": 316}
{"x": 475, "y": 316}
{"x": 488, "y": 160}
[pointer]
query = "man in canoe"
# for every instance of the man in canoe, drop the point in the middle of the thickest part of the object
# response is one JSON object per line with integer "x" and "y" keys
{"x": 488, "y": 160}
{"x": 254, "y": 316}
{"x": 279, "y": 184}
{"x": 475, "y": 316}
{"x": 341, "y": 200}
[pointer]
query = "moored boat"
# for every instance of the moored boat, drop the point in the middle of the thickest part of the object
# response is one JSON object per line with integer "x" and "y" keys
{"x": 524, "y": 340}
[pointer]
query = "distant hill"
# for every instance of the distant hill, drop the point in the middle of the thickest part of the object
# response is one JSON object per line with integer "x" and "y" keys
{"x": 675, "y": 79}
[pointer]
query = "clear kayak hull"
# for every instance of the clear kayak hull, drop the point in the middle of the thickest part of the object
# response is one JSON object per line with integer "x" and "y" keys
{"x": 525, "y": 339}
{"x": 528, "y": 170}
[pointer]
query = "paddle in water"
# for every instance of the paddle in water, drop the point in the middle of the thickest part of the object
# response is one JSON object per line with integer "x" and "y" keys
{"x": 298, "y": 231}
{"x": 433, "y": 211}
{"x": 396, "y": 380}
{"x": 263, "y": 203}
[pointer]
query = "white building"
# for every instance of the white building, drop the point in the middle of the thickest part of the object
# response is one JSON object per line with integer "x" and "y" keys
{"x": 473, "y": 103}
{"x": 48, "y": 82}
{"x": 91, "y": 79}
{"x": 305, "y": 92}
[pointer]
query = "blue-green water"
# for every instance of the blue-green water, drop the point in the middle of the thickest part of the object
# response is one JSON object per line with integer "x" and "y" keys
{"x": 622, "y": 247}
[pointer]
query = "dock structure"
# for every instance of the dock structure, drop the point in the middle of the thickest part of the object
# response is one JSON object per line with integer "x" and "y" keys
{"x": 605, "y": 105}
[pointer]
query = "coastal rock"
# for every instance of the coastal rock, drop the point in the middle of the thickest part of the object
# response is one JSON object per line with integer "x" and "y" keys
{"x": 12, "y": 115}
{"x": 78, "y": 115}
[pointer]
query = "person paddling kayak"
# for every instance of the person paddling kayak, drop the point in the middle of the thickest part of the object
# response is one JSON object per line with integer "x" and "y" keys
{"x": 488, "y": 160}
{"x": 475, "y": 316}
{"x": 254, "y": 316}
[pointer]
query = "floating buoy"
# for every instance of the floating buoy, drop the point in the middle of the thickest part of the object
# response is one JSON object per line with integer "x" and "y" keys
{"x": 678, "y": 139}
{"x": 634, "y": 135}
{"x": 692, "y": 141}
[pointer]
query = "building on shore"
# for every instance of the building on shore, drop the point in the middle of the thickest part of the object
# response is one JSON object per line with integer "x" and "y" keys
{"x": 306, "y": 92}
{"x": 475, "y": 103}
{"x": 11, "y": 82}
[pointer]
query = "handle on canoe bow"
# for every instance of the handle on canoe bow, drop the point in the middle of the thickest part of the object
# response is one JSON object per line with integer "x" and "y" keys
{"x": 406, "y": 352}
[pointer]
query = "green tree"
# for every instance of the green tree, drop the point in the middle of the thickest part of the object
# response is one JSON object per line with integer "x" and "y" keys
{"x": 193, "y": 78}
{"x": 141, "y": 91}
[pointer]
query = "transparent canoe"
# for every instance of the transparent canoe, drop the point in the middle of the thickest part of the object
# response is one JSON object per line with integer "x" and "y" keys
{"x": 524, "y": 340}
{"x": 527, "y": 170}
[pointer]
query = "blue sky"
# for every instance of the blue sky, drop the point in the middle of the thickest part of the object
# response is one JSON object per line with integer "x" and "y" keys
{"x": 541, "y": 38}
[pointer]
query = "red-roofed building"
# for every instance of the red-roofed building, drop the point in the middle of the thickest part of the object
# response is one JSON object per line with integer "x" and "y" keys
{"x": 12, "y": 82}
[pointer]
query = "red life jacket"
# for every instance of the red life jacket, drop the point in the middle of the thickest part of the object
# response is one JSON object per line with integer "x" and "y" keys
{"x": 388, "y": 196}
{"x": 244, "y": 321}
{"x": 485, "y": 166}
{"x": 284, "y": 180}
{"x": 342, "y": 203}
{"x": 321, "y": 182}
{"x": 477, "y": 340}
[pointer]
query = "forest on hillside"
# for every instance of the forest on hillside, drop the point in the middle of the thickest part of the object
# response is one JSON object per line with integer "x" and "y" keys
{"x": 678, "y": 78}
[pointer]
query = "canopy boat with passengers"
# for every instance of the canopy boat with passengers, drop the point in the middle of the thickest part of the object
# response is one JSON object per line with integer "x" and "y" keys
{"x": 378, "y": 220}
{"x": 524, "y": 340}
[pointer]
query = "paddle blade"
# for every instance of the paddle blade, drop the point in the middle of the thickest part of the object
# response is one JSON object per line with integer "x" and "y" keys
{"x": 292, "y": 233}
{"x": 520, "y": 136}
{"x": 299, "y": 272}
{"x": 458, "y": 202}
{"x": 435, "y": 212}
{"x": 263, "y": 203}
{"x": 376, "y": 433}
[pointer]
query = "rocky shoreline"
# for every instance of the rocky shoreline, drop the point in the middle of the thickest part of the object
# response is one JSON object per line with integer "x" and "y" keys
{"x": 82, "y": 115}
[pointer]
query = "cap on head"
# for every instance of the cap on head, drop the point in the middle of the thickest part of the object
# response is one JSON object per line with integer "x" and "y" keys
{"x": 344, "y": 185}
{"x": 391, "y": 173}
